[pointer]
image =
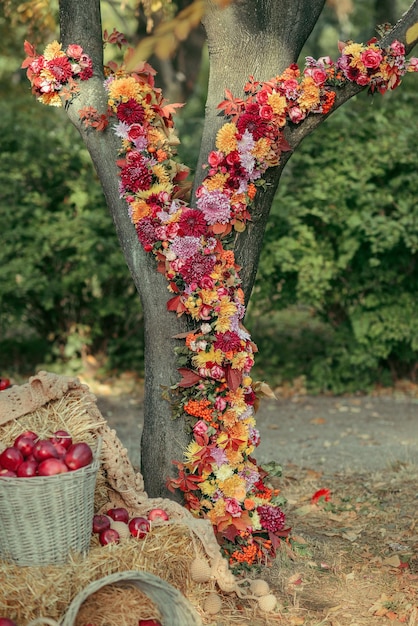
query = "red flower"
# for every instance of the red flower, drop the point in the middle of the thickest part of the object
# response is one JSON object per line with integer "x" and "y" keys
{"x": 145, "y": 229}
{"x": 131, "y": 112}
{"x": 271, "y": 518}
{"x": 60, "y": 68}
{"x": 192, "y": 222}
{"x": 135, "y": 174}
{"x": 197, "y": 267}
{"x": 227, "y": 341}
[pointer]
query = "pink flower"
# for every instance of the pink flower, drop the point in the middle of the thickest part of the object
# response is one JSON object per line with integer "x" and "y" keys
{"x": 220, "y": 403}
{"x": 371, "y": 58}
{"x": 215, "y": 207}
{"x": 266, "y": 112}
{"x": 215, "y": 158}
{"x": 296, "y": 114}
{"x": 398, "y": 48}
{"x": 200, "y": 428}
{"x": 185, "y": 247}
{"x": 413, "y": 64}
{"x": 74, "y": 51}
{"x": 318, "y": 74}
{"x": 217, "y": 372}
{"x": 233, "y": 507}
{"x": 197, "y": 267}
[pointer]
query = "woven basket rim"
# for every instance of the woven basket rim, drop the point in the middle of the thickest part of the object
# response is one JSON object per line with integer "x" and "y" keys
{"x": 184, "y": 615}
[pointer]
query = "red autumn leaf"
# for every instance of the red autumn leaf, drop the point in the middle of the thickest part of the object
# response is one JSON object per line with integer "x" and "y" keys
{"x": 233, "y": 378}
{"x": 231, "y": 106}
{"x": 188, "y": 377}
{"x": 185, "y": 482}
{"x": 175, "y": 304}
{"x": 325, "y": 494}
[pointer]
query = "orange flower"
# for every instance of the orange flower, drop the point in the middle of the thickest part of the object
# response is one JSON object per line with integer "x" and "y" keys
{"x": 249, "y": 504}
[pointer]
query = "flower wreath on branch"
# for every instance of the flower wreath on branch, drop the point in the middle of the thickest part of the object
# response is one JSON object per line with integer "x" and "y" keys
{"x": 218, "y": 475}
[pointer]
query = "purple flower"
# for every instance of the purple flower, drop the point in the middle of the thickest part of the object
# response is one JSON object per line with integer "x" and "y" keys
{"x": 185, "y": 247}
{"x": 215, "y": 207}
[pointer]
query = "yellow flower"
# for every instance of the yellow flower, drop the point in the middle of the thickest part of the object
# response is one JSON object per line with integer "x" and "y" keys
{"x": 229, "y": 418}
{"x": 161, "y": 173}
{"x": 209, "y": 296}
{"x": 214, "y": 356}
{"x": 215, "y": 182}
{"x": 156, "y": 138}
{"x": 225, "y": 138}
{"x": 140, "y": 209}
{"x": 193, "y": 306}
{"x": 144, "y": 195}
{"x": 234, "y": 456}
{"x": 53, "y": 50}
{"x": 224, "y": 472}
{"x": 223, "y": 324}
{"x": 208, "y": 487}
{"x": 238, "y": 360}
{"x": 234, "y": 487}
{"x": 354, "y": 49}
{"x": 277, "y": 103}
{"x": 125, "y": 88}
{"x": 192, "y": 449}
{"x": 226, "y": 307}
{"x": 261, "y": 148}
{"x": 309, "y": 97}
{"x": 217, "y": 512}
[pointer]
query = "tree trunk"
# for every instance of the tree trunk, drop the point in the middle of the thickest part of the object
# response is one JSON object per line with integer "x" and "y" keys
{"x": 258, "y": 37}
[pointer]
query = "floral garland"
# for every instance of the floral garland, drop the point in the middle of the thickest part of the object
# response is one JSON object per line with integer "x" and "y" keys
{"x": 219, "y": 478}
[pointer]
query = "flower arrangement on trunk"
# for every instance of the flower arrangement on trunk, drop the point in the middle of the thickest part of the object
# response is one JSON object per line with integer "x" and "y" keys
{"x": 193, "y": 247}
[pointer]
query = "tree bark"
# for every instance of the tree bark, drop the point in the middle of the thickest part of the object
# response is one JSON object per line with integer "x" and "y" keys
{"x": 250, "y": 37}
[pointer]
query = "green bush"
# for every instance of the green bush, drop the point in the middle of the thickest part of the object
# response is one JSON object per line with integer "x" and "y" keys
{"x": 63, "y": 279}
{"x": 343, "y": 241}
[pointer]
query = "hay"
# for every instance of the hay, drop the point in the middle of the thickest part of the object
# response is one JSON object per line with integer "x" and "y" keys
{"x": 28, "y": 593}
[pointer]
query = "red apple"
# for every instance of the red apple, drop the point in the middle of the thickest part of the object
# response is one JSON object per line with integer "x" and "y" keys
{"x": 7, "y": 473}
{"x": 118, "y": 514}
{"x": 4, "y": 384}
{"x": 149, "y": 622}
{"x": 5, "y": 621}
{"x": 51, "y": 466}
{"x": 60, "y": 448}
{"x": 44, "y": 449}
{"x": 11, "y": 458}
{"x": 24, "y": 444}
{"x": 62, "y": 437}
{"x": 139, "y": 527}
{"x": 78, "y": 455}
{"x": 30, "y": 434}
{"x": 100, "y": 523}
{"x": 109, "y": 536}
{"x": 157, "y": 514}
{"x": 27, "y": 469}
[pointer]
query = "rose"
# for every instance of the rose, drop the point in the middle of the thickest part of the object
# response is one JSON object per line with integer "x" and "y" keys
{"x": 296, "y": 115}
{"x": 371, "y": 58}
{"x": 266, "y": 112}
{"x": 200, "y": 428}
{"x": 318, "y": 74}
{"x": 233, "y": 507}
{"x": 398, "y": 48}
{"x": 74, "y": 51}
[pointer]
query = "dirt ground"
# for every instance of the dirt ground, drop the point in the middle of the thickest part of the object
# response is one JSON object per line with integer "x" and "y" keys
{"x": 353, "y": 559}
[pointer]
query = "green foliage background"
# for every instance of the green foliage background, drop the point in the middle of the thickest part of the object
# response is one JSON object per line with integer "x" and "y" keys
{"x": 335, "y": 298}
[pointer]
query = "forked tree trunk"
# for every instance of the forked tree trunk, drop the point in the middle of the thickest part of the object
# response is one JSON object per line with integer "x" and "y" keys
{"x": 258, "y": 37}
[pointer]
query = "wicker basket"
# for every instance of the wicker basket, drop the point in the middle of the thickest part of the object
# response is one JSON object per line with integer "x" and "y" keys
{"x": 44, "y": 518}
{"x": 175, "y": 609}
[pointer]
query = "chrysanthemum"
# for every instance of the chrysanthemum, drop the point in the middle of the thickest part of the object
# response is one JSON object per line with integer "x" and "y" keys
{"x": 271, "y": 518}
{"x": 234, "y": 487}
{"x": 309, "y": 97}
{"x": 53, "y": 50}
{"x": 135, "y": 174}
{"x": 123, "y": 89}
{"x": 60, "y": 68}
{"x": 185, "y": 247}
{"x": 217, "y": 181}
{"x": 226, "y": 140}
{"x": 146, "y": 231}
{"x": 215, "y": 207}
{"x": 224, "y": 472}
{"x": 192, "y": 222}
{"x": 227, "y": 341}
{"x": 211, "y": 356}
{"x": 261, "y": 148}
{"x": 131, "y": 112}
{"x": 278, "y": 103}
{"x": 138, "y": 210}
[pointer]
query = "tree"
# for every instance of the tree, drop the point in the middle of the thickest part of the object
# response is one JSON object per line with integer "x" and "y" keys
{"x": 249, "y": 37}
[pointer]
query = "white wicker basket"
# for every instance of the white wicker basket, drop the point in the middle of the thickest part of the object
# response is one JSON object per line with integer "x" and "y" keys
{"x": 44, "y": 518}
